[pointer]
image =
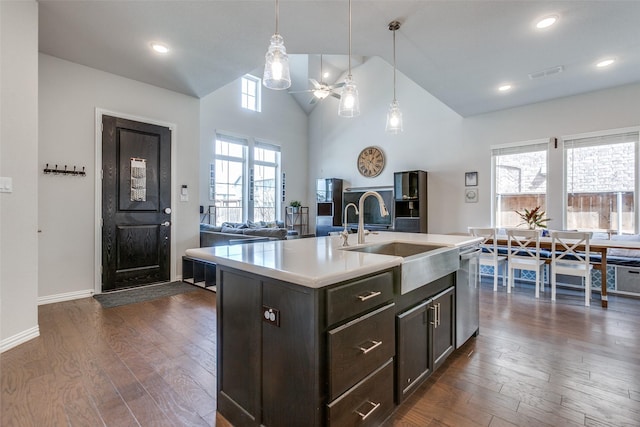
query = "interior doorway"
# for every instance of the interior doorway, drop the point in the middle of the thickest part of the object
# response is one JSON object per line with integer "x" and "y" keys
{"x": 135, "y": 203}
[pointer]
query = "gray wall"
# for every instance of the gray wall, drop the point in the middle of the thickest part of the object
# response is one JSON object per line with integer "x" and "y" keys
{"x": 19, "y": 160}
{"x": 438, "y": 140}
{"x": 69, "y": 96}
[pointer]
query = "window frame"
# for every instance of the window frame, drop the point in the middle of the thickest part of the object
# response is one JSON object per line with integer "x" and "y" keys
{"x": 245, "y": 95}
{"x": 248, "y": 185}
{"x": 516, "y": 148}
{"x": 583, "y": 139}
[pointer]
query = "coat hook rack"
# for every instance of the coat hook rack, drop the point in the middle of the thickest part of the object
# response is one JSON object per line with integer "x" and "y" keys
{"x": 65, "y": 171}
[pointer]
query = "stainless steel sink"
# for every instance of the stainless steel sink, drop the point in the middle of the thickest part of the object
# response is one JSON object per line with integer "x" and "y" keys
{"x": 421, "y": 264}
{"x": 396, "y": 249}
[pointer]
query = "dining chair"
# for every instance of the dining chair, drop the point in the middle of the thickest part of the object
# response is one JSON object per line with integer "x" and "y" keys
{"x": 570, "y": 256}
{"x": 524, "y": 254}
{"x": 490, "y": 256}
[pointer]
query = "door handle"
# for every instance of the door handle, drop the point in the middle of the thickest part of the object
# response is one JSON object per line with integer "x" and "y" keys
{"x": 166, "y": 224}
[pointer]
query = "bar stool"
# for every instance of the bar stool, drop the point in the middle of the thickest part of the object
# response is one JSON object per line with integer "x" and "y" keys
{"x": 524, "y": 254}
{"x": 489, "y": 256}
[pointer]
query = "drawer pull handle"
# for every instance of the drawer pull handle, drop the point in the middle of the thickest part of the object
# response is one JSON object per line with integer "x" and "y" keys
{"x": 374, "y": 407}
{"x": 367, "y": 350}
{"x": 369, "y": 295}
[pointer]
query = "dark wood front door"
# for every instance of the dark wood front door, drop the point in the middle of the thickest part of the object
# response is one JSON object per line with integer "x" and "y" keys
{"x": 136, "y": 200}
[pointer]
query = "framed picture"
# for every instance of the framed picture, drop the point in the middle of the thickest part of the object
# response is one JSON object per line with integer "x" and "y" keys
{"x": 471, "y": 179}
{"x": 471, "y": 195}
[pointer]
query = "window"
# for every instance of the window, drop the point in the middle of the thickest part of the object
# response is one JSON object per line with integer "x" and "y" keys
{"x": 250, "y": 93}
{"x": 520, "y": 179}
{"x": 229, "y": 186}
{"x": 601, "y": 182}
{"x": 266, "y": 160}
{"x": 237, "y": 198}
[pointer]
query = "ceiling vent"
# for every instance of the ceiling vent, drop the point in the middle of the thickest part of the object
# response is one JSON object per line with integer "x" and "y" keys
{"x": 546, "y": 73}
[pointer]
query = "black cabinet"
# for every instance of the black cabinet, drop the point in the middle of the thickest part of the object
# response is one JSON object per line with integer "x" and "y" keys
{"x": 410, "y": 194}
{"x": 199, "y": 272}
{"x": 328, "y": 204}
{"x": 426, "y": 337}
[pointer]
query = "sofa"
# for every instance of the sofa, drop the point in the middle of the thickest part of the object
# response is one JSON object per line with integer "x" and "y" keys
{"x": 230, "y": 233}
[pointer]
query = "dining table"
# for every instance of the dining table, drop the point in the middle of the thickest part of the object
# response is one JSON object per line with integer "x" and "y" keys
{"x": 600, "y": 246}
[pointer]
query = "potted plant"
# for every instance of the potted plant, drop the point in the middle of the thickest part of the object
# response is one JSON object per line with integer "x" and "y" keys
{"x": 295, "y": 206}
{"x": 533, "y": 218}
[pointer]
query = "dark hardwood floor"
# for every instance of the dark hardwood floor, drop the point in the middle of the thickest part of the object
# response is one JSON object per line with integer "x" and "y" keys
{"x": 153, "y": 364}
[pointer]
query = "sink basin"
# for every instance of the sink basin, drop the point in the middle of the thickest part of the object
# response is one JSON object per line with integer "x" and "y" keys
{"x": 421, "y": 264}
{"x": 396, "y": 249}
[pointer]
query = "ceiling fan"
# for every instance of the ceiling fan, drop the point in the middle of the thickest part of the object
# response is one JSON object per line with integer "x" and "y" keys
{"x": 321, "y": 90}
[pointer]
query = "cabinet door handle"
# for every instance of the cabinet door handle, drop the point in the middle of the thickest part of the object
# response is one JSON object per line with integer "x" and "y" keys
{"x": 367, "y": 350}
{"x": 439, "y": 314}
{"x": 434, "y": 322}
{"x": 369, "y": 295}
{"x": 374, "y": 406}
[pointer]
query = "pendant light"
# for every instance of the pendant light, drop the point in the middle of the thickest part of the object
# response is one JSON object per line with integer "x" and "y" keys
{"x": 349, "y": 103}
{"x": 276, "y": 68}
{"x": 394, "y": 115}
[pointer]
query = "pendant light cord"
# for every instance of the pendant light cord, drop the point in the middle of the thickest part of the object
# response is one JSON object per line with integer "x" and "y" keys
{"x": 277, "y": 16}
{"x": 394, "y": 65}
{"x": 349, "y": 39}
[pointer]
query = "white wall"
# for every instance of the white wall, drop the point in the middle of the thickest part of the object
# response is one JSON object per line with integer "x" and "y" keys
{"x": 438, "y": 140}
{"x": 69, "y": 96}
{"x": 19, "y": 160}
{"x": 281, "y": 121}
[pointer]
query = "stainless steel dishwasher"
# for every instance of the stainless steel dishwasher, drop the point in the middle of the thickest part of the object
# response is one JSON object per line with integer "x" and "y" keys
{"x": 468, "y": 295}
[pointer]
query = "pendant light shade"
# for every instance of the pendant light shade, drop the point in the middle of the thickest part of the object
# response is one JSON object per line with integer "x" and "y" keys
{"x": 394, "y": 116}
{"x": 349, "y": 102}
{"x": 276, "y": 68}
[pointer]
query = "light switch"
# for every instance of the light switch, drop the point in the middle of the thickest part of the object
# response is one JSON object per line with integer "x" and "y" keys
{"x": 6, "y": 184}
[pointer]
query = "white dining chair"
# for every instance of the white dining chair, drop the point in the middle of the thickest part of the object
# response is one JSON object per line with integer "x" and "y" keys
{"x": 524, "y": 254}
{"x": 570, "y": 256}
{"x": 490, "y": 256}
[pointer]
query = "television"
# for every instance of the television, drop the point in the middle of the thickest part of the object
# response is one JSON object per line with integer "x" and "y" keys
{"x": 372, "y": 217}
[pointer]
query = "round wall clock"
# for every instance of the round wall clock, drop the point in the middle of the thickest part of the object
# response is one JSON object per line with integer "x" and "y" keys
{"x": 370, "y": 162}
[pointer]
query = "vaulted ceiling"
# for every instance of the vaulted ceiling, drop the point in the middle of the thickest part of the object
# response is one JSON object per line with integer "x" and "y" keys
{"x": 459, "y": 51}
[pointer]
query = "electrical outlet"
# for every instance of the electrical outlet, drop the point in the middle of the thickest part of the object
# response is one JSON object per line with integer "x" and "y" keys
{"x": 271, "y": 315}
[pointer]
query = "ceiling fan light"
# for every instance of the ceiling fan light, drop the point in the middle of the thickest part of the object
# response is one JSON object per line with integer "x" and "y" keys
{"x": 349, "y": 103}
{"x": 394, "y": 118}
{"x": 320, "y": 93}
{"x": 276, "y": 69}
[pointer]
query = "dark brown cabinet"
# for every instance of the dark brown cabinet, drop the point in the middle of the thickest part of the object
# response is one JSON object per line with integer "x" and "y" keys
{"x": 328, "y": 205}
{"x": 426, "y": 337}
{"x": 340, "y": 355}
{"x": 410, "y": 204}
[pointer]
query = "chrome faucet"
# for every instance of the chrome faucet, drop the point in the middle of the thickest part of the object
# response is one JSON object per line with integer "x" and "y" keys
{"x": 383, "y": 212}
{"x": 345, "y": 233}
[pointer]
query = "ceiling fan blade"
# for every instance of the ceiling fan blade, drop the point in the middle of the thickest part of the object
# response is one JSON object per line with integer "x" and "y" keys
{"x": 335, "y": 95}
{"x": 336, "y": 85}
{"x": 301, "y": 91}
{"x": 313, "y": 100}
{"x": 315, "y": 83}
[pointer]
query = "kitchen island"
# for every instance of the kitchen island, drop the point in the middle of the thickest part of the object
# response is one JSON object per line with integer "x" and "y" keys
{"x": 313, "y": 334}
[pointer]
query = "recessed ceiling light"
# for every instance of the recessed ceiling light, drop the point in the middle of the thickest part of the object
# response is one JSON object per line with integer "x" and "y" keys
{"x": 504, "y": 88}
{"x": 326, "y": 74}
{"x": 160, "y": 48}
{"x": 605, "y": 63}
{"x": 546, "y": 22}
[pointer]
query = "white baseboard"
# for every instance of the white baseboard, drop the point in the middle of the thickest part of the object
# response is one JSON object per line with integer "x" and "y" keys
{"x": 20, "y": 338}
{"x": 68, "y": 296}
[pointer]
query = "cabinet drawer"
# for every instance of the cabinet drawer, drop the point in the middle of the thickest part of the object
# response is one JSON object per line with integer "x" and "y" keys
{"x": 357, "y": 297}
{"x": 368, "y": 403}
{"x": 357, "y": 348}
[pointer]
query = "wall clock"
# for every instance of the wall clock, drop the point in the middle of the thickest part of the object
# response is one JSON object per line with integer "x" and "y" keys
{"x": 370, "y": 162}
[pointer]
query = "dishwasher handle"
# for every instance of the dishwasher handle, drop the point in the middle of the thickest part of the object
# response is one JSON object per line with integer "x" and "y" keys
{"x": 470, "y": 254}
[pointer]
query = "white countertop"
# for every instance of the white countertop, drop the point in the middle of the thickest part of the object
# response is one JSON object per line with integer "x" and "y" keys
{"x": 320, "y": 261}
